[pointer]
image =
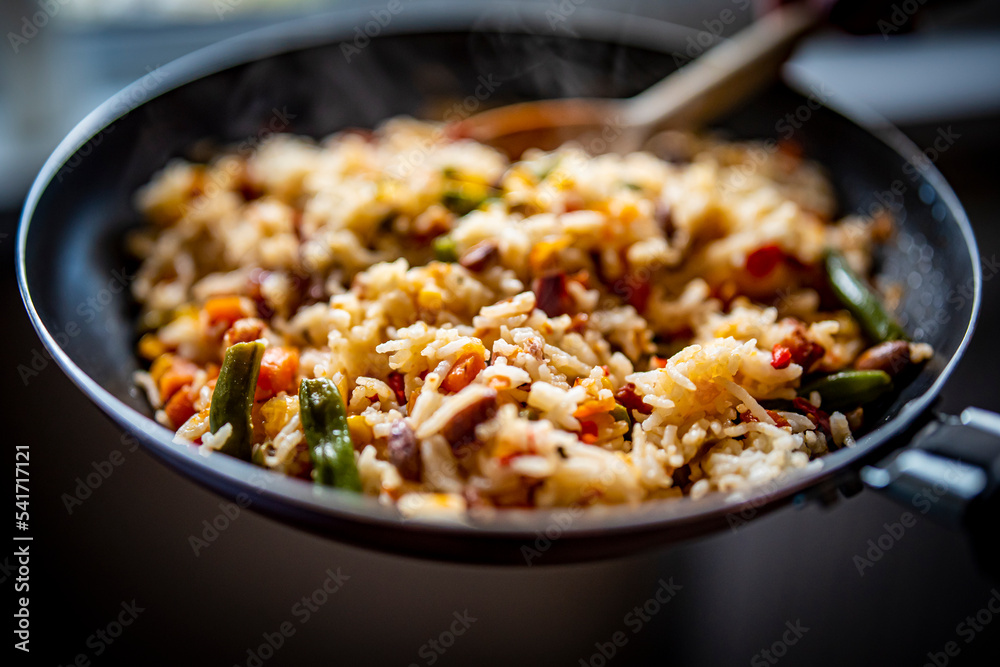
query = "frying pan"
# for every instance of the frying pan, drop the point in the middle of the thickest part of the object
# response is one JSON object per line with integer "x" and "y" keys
{"x": 353, "y": 69}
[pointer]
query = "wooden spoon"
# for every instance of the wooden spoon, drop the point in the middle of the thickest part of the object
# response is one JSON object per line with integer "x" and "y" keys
{"x": 687, "y": 99}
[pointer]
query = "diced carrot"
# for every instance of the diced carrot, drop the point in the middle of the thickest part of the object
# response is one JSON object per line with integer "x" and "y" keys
{"x": 226, "y": 309}
{"x": 659, "y": 362}
{"x": 277, "y": 372}
{"x": 180, "y": 407}
{"x": 594, "y": 406}
{"x": 243, "y": 330}
{"x": 160, "y": 366}
{"x": 179, "y": 373}
{"x": 463, "y": 372}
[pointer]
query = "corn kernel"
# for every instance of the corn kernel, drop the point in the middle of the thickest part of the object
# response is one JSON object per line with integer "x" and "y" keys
{"x": 361, "y": 432}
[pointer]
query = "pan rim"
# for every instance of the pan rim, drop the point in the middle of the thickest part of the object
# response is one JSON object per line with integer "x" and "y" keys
{"x": 225, "y": 475}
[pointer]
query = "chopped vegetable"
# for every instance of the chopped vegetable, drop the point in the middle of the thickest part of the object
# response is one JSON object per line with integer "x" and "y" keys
{"x": 463, "y": 372}
{"x": 445, "y": 249}
{"x": 779, "y": 421}
{"x": 243, "y": 330}
{"x": 628, "y": 397}
{"x": 179, "y": 373}
{"x": 232, "y": 399}
{"x": 324, "y": 420}
{"x": 818, "y": 417}
{"x": 462, "y": 197}
{"x": 621, "y": 414}
{"x": 781, "y": 356}
{"x": 850, "y": 388}
{"x": 150, "y": 346}
{"x": 361, "y": 432}
{"x": 637, "y": 290}
{"x": 863, "y": 303}
{"x": 397, "y": 383}
{"x": 277, "y": 372}
{"x": 594, "y": 406}
{"x": 804, "y": 351}
{"x": 180, "y": 407}
{"x": 226, "y": 309}
{"x": 764, "y": 260}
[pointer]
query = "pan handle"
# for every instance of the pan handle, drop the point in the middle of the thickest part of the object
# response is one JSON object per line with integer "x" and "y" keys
{"x": 951, "y": 472}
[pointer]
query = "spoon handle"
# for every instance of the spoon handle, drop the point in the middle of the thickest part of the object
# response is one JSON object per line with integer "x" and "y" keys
{"x": 726, "y": 75}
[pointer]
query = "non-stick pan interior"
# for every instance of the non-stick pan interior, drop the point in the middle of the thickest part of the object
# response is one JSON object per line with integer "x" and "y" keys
{"x": 77, "y": 271}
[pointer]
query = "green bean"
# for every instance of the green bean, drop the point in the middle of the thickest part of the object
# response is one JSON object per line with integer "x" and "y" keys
{"x": 324, "y": 420}
{"x": 445, "y": 249}
{"x": 232, "y": 400}
{"x": 849, "y": 388}
{"x": 863, "y": 303}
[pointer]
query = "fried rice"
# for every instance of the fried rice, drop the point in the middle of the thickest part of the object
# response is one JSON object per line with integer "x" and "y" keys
{"x": 565, "y": 329}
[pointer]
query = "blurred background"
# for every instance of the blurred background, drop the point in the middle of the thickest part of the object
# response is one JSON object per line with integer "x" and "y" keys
{"x": 933, "y": 71}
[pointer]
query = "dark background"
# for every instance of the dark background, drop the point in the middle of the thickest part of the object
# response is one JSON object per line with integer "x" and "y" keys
{"x": 131, "y": 539}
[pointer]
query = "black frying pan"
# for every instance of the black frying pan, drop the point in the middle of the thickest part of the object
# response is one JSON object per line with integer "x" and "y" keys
{"x": 316, "y": 76}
